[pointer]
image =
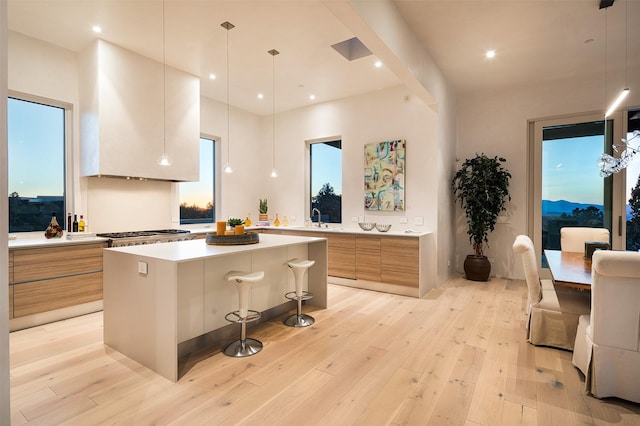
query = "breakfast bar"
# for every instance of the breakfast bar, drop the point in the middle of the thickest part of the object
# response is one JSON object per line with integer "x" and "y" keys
{"x": 161, "y": 295}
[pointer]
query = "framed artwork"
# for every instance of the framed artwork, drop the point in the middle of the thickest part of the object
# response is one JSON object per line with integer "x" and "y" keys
{"x": 384, "y": 172}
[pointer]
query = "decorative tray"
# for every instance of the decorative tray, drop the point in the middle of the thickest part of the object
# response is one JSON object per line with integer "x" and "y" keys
{"x": 232, "y": 240}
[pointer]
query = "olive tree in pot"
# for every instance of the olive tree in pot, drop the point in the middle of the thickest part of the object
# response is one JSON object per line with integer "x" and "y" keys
{"x": 482, "y": 186}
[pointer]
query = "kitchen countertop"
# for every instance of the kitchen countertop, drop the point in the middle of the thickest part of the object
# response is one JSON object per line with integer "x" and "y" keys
{"x": 182, "y": 251}
{"x": 37, "y": 240}
{"x": 335, "y": 229}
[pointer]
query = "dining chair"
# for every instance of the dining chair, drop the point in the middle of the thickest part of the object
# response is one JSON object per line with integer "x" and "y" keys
{"x": 607, "y": 346}
{"x": 573, "y": 238}
{"x": 552, "y": 314}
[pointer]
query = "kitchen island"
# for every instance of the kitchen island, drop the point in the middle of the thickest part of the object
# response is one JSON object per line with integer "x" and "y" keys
{"x": 160, "y": 298}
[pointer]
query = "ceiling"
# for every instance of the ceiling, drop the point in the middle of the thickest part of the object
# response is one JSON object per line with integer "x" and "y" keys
{"x": 535, "y": 40}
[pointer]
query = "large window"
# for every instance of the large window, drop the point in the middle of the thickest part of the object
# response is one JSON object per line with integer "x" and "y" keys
{"x": 326, "y": 181}
{"x": 197, "y": 199}
{"x": 36, "y": 149}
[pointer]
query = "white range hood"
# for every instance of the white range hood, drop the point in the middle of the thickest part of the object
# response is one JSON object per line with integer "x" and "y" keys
{"x": 123, "y": 118}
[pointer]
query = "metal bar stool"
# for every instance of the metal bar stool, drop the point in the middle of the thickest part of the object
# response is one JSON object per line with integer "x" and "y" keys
{"x": 299, "y": 267}
{"x": 243, "y": 347}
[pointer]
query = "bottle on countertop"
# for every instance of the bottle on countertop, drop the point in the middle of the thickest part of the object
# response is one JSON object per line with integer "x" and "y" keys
{"x": 247, "y": 221}
{"x": 81, "y": 224}
{"x": 277, "y": 221}
{"x": 69, "y": 222}
{"x": 285, "y": 221}
{"x": 75, "y": 223}
{"x": 53, "y": 230}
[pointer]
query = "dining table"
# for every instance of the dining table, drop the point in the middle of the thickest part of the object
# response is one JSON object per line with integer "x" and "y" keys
{"x": 569, "y": 269}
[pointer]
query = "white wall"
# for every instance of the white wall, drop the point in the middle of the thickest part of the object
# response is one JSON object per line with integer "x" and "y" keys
{"x": 370, "y": 118}
{"x": 5, "y": 393}
{"x": 495, "y": 122}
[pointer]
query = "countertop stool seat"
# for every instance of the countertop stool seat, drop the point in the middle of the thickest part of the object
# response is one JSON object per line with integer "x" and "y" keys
{"x": 299, "y": 267}
{"x": 243, "y": 347}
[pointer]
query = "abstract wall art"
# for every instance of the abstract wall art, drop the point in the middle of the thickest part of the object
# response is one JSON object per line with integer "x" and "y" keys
{"x": 384, "y": 170}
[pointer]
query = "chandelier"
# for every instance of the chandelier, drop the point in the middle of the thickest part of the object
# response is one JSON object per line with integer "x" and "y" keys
{"x": 609, "y": 164}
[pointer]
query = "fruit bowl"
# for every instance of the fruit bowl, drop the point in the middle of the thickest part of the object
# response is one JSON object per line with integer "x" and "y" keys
{"x": 382, "y": 228}
{"x": 366, "y": 226}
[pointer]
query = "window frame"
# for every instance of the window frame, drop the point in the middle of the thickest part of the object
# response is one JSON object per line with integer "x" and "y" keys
{"x": 308, "y": 171}
{"x": 216, "y": 184}
{"x": 68, "y": 166}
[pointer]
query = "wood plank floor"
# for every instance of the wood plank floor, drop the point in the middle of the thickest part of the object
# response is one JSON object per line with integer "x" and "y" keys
{"x": 456, "y": 357}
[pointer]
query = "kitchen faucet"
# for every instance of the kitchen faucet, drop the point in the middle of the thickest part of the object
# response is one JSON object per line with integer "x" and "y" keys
{"x": 319, "y": 216}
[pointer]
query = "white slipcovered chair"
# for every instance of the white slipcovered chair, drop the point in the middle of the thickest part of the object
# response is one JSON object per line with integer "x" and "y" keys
{"x": 607, "y": 347}
{"x": 573, "y": 238}
{"x": 552, "y": 315}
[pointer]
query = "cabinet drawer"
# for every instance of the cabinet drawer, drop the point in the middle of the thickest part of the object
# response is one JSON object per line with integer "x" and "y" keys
{"x": 44, "y": 263}
{"x": 341, "y": 255}
{"x": 368, "y": 258}
{"x": 400, "y": 261}
{"x": 10, "y": 267}
{"x": 10, "y": 301}
{"x": 46, "y": 295}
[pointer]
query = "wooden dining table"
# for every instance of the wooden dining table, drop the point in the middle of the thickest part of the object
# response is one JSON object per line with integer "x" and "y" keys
{"x": 569, "y": 269}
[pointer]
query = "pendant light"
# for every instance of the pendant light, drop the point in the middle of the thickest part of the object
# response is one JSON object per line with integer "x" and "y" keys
{"x": 274, "y": 173}
{"x": 625, "y": 91}
{"x": 609, "y": 164}
{"x": 227, "y": 167}
{"x": 164, "y": 158}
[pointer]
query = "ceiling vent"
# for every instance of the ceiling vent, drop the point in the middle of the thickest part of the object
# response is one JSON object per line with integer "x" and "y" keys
{"x": 351, "y": 49}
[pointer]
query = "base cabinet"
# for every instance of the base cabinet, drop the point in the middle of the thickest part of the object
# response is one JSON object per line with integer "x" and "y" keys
{"x": 389, "y": 263}
{"x": 53, "y": 278}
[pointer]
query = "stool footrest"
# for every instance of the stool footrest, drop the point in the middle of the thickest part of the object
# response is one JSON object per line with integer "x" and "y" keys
{"x": 292, "y": 295}
{"x": 236, "y": 318}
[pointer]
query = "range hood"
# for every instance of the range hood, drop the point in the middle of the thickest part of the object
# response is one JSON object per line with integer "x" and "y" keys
{"x": 122, "y": 116}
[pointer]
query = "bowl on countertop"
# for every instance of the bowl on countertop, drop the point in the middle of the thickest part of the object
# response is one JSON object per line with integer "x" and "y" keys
{"x": 366, "y": 226}
{"x": 382, "y": 228}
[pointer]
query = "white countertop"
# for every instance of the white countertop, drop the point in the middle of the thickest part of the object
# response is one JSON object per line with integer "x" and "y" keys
{"x": 332, "y": 229}
{"x": 183, "y": 251}
{"x": 38, "y": 240}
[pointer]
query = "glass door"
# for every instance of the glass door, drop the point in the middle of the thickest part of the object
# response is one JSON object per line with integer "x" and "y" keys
{"x": 632, "y": 193}
{"x": 567, "y": 187}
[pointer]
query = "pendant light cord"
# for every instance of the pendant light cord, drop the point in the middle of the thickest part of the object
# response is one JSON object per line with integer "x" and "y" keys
{"x": 164, "y": 87}
{"x": 273, "y": 115}
{"x": 228, "y": 108}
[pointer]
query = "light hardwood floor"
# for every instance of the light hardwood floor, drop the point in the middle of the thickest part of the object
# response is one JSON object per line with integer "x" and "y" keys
{"x": 456, "y": 357}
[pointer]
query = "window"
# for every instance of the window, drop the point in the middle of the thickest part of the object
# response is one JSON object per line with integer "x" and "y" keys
{"x": 326, "y": 181}
{"x": 197, "y": 199}
{"x": 36, "y": 149}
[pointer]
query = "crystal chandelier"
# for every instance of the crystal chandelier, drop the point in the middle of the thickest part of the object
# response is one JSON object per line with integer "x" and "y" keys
{"x": 609, "y": 164}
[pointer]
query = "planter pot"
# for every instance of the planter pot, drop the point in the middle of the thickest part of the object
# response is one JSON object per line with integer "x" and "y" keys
{"x": 263, "y": 216}
{"x": 477, "y": 268}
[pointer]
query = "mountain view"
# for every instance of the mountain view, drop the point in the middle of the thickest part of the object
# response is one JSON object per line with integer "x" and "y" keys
{"x": 557, "y": 208}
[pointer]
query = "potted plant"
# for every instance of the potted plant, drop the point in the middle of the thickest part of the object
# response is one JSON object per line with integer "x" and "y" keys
{"x": 263, "y": 208}
{"x": 482, "y": 186}
{"x": 234, "y": 221}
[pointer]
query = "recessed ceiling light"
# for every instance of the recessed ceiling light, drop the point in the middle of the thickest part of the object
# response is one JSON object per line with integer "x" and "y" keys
{"x": 260, "y": 96}
{"x": 490, "y": 54}
{"x": 96, "y": 29}
{"x": 312, "y": 97}
{"x": 212, "y": 76}
{"x": 378, "y": 64}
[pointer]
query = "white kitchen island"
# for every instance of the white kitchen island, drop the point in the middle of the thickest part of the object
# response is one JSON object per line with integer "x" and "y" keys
{"x": 159, "y": 296}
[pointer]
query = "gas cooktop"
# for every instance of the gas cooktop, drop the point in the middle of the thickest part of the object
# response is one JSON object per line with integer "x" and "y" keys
{"x": 136, "y": 234}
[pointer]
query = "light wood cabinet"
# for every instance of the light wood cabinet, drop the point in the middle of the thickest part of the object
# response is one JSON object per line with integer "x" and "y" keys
{"x": 10, "y": 272}
{"x": 45, "y": 279}
{"x": 368, "y": 258}
{"x": 56, "y": 293}
{"x": 380, "y": 262}
{"x": 342, "y": 255}
{"x": 400, "y": 261}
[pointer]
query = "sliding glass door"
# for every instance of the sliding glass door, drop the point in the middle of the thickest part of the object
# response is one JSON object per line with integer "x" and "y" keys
{"x": 567, "y": 187}
{"x": 632, "y": 194}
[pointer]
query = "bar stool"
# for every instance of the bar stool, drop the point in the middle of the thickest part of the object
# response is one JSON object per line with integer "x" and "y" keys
{"x": 299, "y": 267}
{"x": 243, "y": 347}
